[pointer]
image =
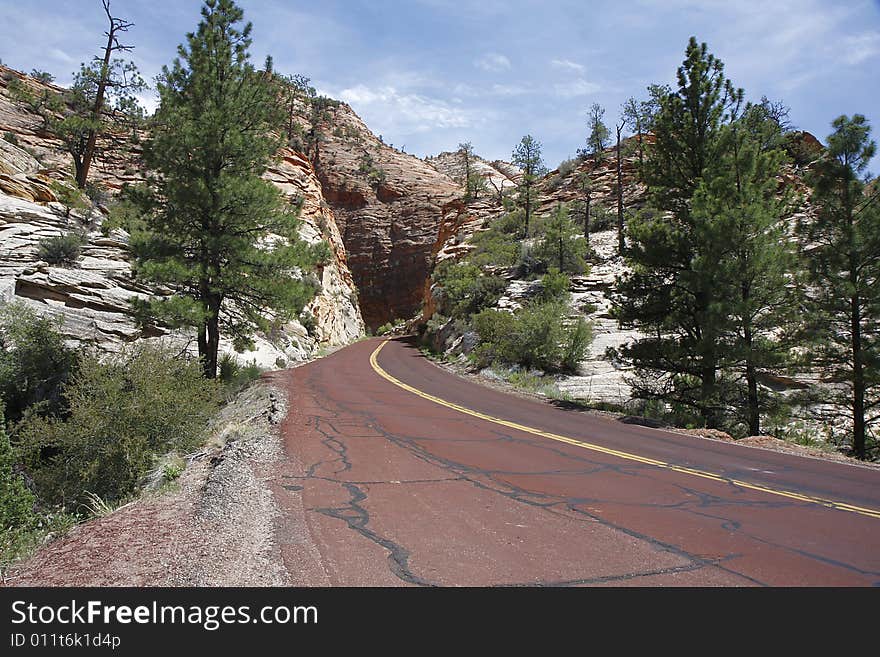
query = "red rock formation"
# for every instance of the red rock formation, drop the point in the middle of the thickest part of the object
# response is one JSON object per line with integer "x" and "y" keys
{"x": 389, "y": 207}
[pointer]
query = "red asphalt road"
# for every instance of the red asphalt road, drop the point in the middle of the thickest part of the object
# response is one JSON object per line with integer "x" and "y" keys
{"x": 381, "y": 487}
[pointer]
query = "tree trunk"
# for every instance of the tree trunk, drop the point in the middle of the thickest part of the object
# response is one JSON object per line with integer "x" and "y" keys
{"x": 82, "y": 172}
{"x": 203, "y": 349}
{"x": 528, "y": 208}
{"x": 209, "y": 330}
{"x": 752, "y": 383}
{"x": 858, "y": 400}
{"x": 213, "y": 329}
{"x": 620, "y": 241}
{"x": 707, "y": 395}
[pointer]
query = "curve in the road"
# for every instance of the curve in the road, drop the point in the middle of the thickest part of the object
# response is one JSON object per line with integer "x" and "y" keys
{"x": 833, "y": 504}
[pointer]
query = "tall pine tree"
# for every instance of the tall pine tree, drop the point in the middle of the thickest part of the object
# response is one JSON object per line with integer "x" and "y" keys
{"x": 527, "y": 156}
{"x": 676, "y": 291}
{"x": 739, "y": 193}
{"x": 843, "y": 256}
{"x": 219, "y": 234}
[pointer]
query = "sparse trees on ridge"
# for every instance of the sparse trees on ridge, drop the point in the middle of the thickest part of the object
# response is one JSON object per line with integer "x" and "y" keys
{"x": 597, "y": 140}
{"x": 527, "y": 156}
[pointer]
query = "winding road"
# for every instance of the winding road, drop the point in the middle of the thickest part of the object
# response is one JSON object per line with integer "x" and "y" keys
{"x": 400, "y": 473}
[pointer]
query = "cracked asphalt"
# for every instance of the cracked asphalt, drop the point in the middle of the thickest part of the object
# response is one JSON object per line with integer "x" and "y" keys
{"x": 381, "y": 487}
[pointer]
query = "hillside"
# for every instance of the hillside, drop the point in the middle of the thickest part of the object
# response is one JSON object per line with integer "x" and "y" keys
{"x": 92, "y": 296}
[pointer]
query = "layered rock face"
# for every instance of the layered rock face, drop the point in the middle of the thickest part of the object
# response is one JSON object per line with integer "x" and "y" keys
{"x": 389, "y": 207}
{"x": 91, "y": 297}
{"x": 499, "y": 175}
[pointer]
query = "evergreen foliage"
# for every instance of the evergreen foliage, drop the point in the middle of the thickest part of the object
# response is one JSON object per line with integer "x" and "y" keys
{"x": 843, "y": 262}
{"x": 597, "y": 140}
{"x": 708, "y": 270}
{"x": 562, "y": 246}
{"x": 527, "y": 156}
{"x": 217, "y": 232}
{"x": 35, "y": 362}
{"x": 122, "y": 414}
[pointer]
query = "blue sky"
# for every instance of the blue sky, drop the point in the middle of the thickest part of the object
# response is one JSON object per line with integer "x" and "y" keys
{"x": 428, "y": 74}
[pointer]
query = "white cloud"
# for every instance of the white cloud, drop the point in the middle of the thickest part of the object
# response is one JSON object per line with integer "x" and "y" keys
{"x": 493, "y": 62}
{"x": 857, "y": 49}
{"x": 404, "y": 113}
{"x": 60, "y": 55}
{"x": 509, "y": 90}
{"x": 579, "y": 87}
{"x": 567, "y": 65}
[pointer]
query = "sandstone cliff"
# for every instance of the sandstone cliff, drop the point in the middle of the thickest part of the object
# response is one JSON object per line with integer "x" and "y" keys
{"x": 389, "y": 207}
{"x": 92, "y": 296}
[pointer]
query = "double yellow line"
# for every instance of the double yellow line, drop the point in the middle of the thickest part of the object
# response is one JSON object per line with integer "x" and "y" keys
{"x": 832, "y": 504}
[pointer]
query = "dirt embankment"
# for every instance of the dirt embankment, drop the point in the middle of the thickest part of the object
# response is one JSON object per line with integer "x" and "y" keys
{"x": 213, "y": 527}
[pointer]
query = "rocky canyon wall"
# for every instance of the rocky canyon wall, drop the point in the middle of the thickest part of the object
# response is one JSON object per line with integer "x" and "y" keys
{"x": 91, "y": 297}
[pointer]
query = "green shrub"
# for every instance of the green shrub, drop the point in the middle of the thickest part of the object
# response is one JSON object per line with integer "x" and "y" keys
{"x": 96, "y": 193}
{"x": 567, "y": 166}
{"x": 125, "y": 215}
{"x": 11, "y": 138}
{"x": 554, "y": 286}
{"x": 17, "y": 502}
{"x": 466, "y": 289}
{"x": 61, "y": 250}
{"x": 308, "y": 322}
{"x": 575, "y": 347}
{"x": 534, "y": 337}
{"x": 236, "y": 377}
{"x": 34, "y": 362}
{"x": 494, "y": 328}
{"x": 42, "y": 76}
{"x": 562, "y": 245}
{"x": 172, "y": 471}
{"x": 385, "y": 329}
{"x": 123, "y": 414}
{"x": 69, "y": 194}
{"x": 601, "y": 219}
{"x": 510, "y": 223}
{"x": 494, "y": 248}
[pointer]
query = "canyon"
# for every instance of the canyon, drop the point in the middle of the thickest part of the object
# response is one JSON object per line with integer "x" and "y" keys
{"x": 388, "y": 217}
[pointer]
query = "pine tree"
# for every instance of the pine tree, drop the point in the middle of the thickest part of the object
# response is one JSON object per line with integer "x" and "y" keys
{"x": 104, "y": 88}
{"x": 677, "y": 291}
{"x": 621, "y": 240}
{"x": 527, "y": 156}
{"x": 843, "y": 254}
{"x": 598, "y": 137}
{"x": 739, "y": 191}
{"x": 219, "y": 234}
{"x": 474, "y": 183}
{"x": 561, "y": 246}
{"x": 581, "y": 207}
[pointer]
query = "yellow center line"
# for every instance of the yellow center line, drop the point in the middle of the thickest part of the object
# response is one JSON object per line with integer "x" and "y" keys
{"x": 842, "y": 506}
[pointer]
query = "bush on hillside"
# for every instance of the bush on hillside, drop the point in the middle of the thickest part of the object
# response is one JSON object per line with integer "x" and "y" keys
{"x": 466, "y": 289}
{"x": 535, "y": 337}
{"x": 123, "y": 414}
{"x": 34, "y": 362}
{"x": 17, "y": 502}
{"x": 61, "y": 250}
{"x": 234, "y": 376}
